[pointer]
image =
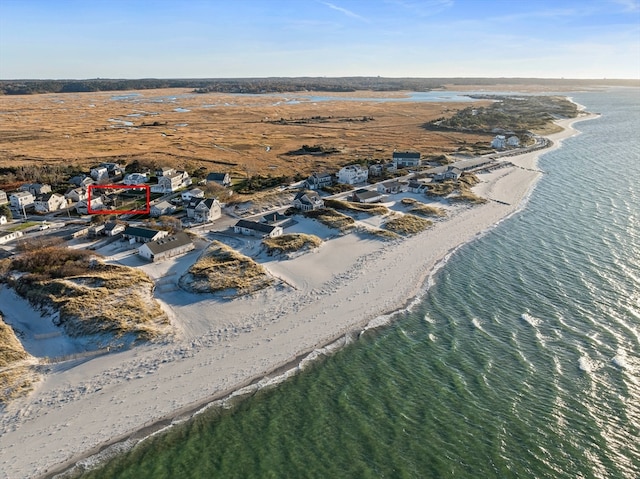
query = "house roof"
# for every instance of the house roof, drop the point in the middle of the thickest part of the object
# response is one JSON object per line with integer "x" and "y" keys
{"x": 406, "y": 154}
{"x": 168, "y": 243}
{"x": 163, "y": 205}
{"x": 216, "y": 176}
{"x": 252, "y": 225}
{"x": 110, "y": 225}
{"x": 367, "y": 195}
{"x": 140, "y": 232}
{"x": 208, "y": 202}
{"x": 274, "y": 217}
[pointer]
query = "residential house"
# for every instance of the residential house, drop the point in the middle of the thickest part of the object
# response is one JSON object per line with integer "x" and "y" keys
{"x": 308, "y": 201}
{"x": 391, "y": 187}
{"x": 222, "y": 179}
{"x": 95, "y": 230}
{"x": 277, "y": 219}
{"x": 513, "y": 141}
{"x": 195, "y": 193}
{"x": 75, "y": 232}
{"x": 77, "y": 194}
{"x": 99, "y": 173}
{"x": 6, "y": 236}
{"x": 376, "y": 169}
{"x": 452, "y": 173}
{"x": 318, "y": 181}
{"x": 3, "y": 220}
{"x": 36, "y": 189}
{"x": 166, "y": 247}
{"x": 143, "y": 235}
{"x": 82, "y": 207}
{"x": 81, "y": 180}
{"x": 111, "y": 228}
{"x": 135, "y": 179}
{"x": 260, "y": 230}
{"x": 50, "y": 202}
{"x": 164, "y": 171}
{"x": 162, "y": 208}
{"x": 21, "y": 199}
{"x": 207, "y": 210}
{"x": 171, "y": 182}
{"x": 499, "y": 142}
{"x": 366, "y": 196}
{"x": 405, "y": 159}
{"x": 353, "y": 174}
{"x": 3, "y": 198}
{"x": 416, "y": 187}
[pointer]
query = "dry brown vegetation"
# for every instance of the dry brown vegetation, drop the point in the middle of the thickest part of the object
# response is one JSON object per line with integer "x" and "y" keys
{"x": 332, "y": 219}
{"x": 407, "y": 225}
{"x": 291, "y": 243}
{"x": 419, "y": 208}
{"x": 232, "y": 133}
{"x": 16, "y": 377}
{"x": 356, "y": 207}
{"x": 91, "y": 297}
{"x": 221, "y": 268}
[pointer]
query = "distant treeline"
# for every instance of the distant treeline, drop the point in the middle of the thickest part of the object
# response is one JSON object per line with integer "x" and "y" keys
{"x": 274, "y": 84}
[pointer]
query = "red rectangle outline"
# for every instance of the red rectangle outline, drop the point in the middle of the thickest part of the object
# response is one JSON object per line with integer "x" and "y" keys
{"x": 146, "y": 211}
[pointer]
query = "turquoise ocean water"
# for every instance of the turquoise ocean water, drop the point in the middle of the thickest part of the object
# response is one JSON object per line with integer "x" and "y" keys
{"x": 522, "y": 360}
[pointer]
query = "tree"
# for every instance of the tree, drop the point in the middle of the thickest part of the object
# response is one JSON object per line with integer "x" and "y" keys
{"x": 6, "y": 211}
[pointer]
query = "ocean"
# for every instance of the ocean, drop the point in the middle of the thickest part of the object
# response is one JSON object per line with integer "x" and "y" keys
{"x": 522, "y": 360}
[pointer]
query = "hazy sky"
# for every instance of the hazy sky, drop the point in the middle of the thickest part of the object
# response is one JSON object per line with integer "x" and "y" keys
{"x": 255, "y": 38}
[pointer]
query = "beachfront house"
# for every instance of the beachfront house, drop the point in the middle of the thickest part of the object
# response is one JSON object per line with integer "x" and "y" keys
{"x": 49, "y": 202}
{"x": 406, "y": 159}
{"x": 452, "y": 173}
{"x": 166, "y": 247}
{"x": 207, "y": 210}
{"x": 308, "y": 201}
{"x": 391, "y": 187}
{"x": 143, "y": 235}
{"x": 415, "y": 186}
{"x": 261, "y": 230}
{"x": 499, "y": 142}
{"x": 223, "y": 179}
{"x": 353, "y": 174}
{"x": 318, "y": 181}
{"x": 366, "y": 196}
{"x": 513, "y": 141}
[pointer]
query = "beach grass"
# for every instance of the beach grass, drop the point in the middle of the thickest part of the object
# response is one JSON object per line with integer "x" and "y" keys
{"x": 290, "y": 243}
{"x": 407, "y": 225}
{"x": 332, "y": 218}
{"x": 418, "y": 208}
{"x": 221, "y": 268}
{"x": 16, "y": 378}
{"x": 356, "y": 207}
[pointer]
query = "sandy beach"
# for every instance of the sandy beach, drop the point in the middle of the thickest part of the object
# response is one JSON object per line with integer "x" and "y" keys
{"x": 327, "y": 297}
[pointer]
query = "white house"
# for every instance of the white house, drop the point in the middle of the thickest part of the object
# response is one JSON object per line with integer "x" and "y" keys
{"x": 77, "y": 194}
{"x": 50, "y": 202}
{"x": 143, "y": 235}
{"x": 416, "y": 187}
{"x": 99, "y": 173}
{"x": 6, "y": 236}
{"x": 391, "y": 187}
{"x": 112, "y": 228}
{"x": 3, "y": 198}
{"x": 319, "y": 180}
{"x": 513, "y": 141}
{"x": 82, "y": 207}
{"x": 353, "y": 174}
{"x": 192, "y": 194}
{"x": 366, "y": 196}
{"x": 164, "y": 171}
{"x": 171, "y": 182}
{"x": 260, "y": 230}
{"x": 207, "y": 210}
{"x": 135, "y": 179}
{"x": 21, "y": 199}
{"x": 162, "y": 208}
{"x": 166, "y": 247}
{"x": 308, "y": 201}
{"x": 81, "y": 180}
{"x": 499, "y": 142}
{"x": 36, "y": 189}
{"x": 404, "y": 159}
{"x": 3, "y": 220}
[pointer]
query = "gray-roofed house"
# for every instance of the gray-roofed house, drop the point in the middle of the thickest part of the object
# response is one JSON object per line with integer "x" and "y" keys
{"x": 308, "y": 201}
{"x": 391, "y": 187}
{"x": 319, "y": 180}
{"x": 111, "y": 228}
{"x": 36, "y": 189}
{"x": 81, "y": 180}
{"x": 207, "y": 210}
{"x": 167, "y": 247}
{"x": 260, "y": 230}
{"x": 162, "y": 208}
{"x": 221, "y": 178}
{"x": 366, "y": 196}
{"x": 404, "y": 159}
{"x": 143, "y": 235}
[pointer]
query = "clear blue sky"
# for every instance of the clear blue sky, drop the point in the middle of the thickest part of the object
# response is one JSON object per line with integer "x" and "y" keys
{"x": 255, "y": 38}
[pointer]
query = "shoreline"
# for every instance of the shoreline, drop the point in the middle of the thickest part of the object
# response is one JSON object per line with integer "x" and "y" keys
{"x": 299, "y": 339}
